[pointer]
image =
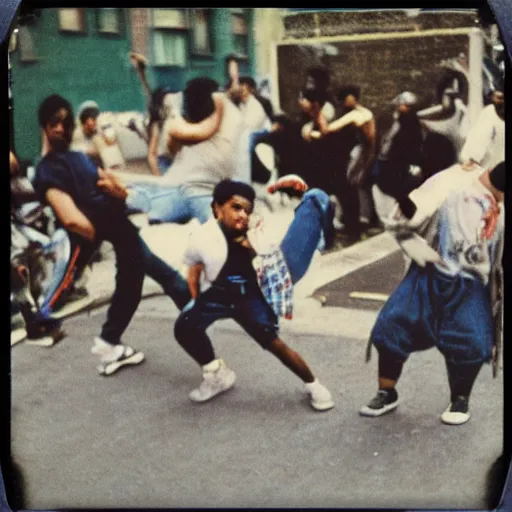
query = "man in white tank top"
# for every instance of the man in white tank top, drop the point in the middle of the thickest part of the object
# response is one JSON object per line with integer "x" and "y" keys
{"x": 206, "y": 156}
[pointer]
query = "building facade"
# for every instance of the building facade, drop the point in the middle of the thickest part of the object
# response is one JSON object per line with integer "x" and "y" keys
{"x": 82, "y": 54}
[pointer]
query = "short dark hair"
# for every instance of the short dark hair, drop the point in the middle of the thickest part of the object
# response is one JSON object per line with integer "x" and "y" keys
{"x": 226, "y": 189}
{"x": 88, "y": 113}
{"x": 247, "y": 80}
{"x": 230, "y": 57}
{"x": 320, "y": 75}
{"x": 50, "y": 106}
{"x": 347, "y": 90}
{"x": 315, "y": 95}
{"x": 197, "y": 98}
{"x": 497, "y": 176}
{"x": 156, "y": 103}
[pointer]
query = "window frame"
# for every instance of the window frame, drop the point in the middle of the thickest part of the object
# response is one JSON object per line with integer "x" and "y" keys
{"x": 83, "y": 21}
{"x": 178, "y": 29}
{"x": 209, "y": 26}
{"x": 241, "y": 13}
{"x": 27, "y": 54}
{"x": 120, "y": 20}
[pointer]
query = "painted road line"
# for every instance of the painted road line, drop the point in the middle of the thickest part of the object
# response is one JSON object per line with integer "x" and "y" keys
{"x": 381, "y": 297}
{"x": 330, "y": 267}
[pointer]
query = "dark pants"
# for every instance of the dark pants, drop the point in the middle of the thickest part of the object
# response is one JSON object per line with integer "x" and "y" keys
{"x": 134, "y": 260}
{"x": 328, "y": 161}
{"x": 429, "y": 309}
{"x": 250, "y": 310}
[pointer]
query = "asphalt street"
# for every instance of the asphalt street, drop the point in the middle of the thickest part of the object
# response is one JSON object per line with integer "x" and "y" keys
{"x": 135, "y": 440}
{"x": 381, "y": 277}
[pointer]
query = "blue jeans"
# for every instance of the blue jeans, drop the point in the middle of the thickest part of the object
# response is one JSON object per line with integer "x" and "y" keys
{"x": 250, "y": 310}
{"x": 164, "y": 162}
{"x": 253, "y": 139}
{"x": 429, "y": 309}
{"x": 169, "y": 203}
{"x": 306, "y": 233}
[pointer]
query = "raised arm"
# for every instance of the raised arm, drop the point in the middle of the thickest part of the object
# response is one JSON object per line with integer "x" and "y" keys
{"x": 197, "y": 132}
{"x": 153, "y": 149}
{"x": 69, "y": 215}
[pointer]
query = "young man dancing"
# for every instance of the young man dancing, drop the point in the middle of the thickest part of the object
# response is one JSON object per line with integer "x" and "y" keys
{"x": 248, "y": 282}
{"x": 449, "y": 303}
{"x": 90, "y": 204}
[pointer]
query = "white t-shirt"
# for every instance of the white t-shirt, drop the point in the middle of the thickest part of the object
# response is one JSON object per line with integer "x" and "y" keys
{"x": 206, "y": 163}
{"x": 462, "y": 242}
{"x": 253, "y": 115}
{"x": 173, "y": 105}
{"x": 485, "y": 143}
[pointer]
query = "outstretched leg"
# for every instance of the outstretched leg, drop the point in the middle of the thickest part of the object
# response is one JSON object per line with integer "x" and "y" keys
{"x": 257, "y": 319}
{"x": 313, "y": 218}
{"x": 172, "y": 282}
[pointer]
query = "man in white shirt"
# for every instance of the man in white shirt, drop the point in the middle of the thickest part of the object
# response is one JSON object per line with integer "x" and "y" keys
{"x": 209, "y": 140}
{"x": 453, "y": 299}
{"x": 485, "y": 143}
{"x": 254, "y": 122}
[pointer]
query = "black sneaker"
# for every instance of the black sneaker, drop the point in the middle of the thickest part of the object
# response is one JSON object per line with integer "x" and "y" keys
{"x": 386, "y": 400}
{"x": 457, "y": 412}
{"x": 47, "y": 339}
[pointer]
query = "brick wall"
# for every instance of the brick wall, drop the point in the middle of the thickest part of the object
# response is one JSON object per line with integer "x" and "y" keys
{"x": 330, "y": 23}
{"x": 382, "y": 68}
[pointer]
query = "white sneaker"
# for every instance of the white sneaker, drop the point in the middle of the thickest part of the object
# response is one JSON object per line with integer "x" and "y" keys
{"x": 214, "y": 382}
{"x": 114, "y": 357}
{"x": 457, "y": 412}
{"x": 321, "y": 398}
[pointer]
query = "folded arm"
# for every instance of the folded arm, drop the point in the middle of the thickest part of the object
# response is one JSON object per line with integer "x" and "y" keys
{"x": 197, "y": 132}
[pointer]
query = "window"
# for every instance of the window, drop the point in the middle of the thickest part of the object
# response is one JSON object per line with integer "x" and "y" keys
{"x": 26, "y": 44}
{"x": 109, "y": 21}
{"x": 72, "y": 20}
{"x": 240, "y": 31}
{"x": 170, "y": 18}
{"x": 170, "y": 34}
{"x": 169, "y": 48}
{"x": 200, "y": 21}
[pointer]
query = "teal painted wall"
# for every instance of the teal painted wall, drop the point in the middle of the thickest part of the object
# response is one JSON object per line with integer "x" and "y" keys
{"x": 80, "y": 67}
{"x": 94, "y": 66}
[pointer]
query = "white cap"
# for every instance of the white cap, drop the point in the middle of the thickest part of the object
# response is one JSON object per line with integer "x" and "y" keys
{"x": 405, "y": 98}
{"x": 85, "y": 105}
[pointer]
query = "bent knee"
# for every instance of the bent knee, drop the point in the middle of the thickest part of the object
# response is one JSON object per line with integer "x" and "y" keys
{"x": 319, "y": 196}
{"x": 185, "y": 327}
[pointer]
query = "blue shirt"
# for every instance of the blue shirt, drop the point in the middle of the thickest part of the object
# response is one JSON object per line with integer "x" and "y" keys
{"x": 75, "y": 174}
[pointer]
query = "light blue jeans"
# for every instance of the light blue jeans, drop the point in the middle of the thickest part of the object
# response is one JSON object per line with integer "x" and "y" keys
{"x": 162, "y": 203}
{"x": 306, "y": 232}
